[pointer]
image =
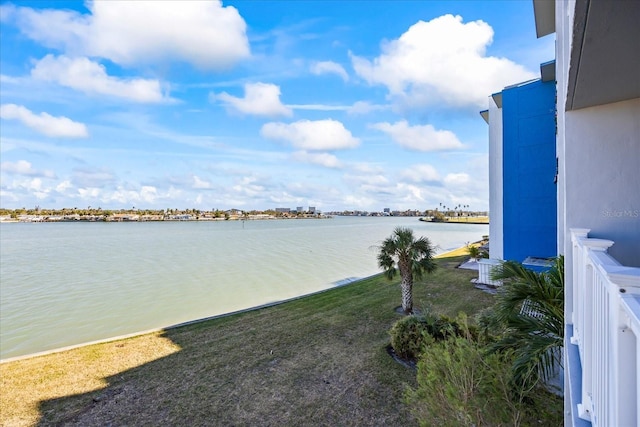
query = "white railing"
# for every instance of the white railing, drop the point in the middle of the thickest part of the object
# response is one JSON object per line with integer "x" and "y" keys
{"x": 484, "y": 271}
{"x": 606, "y": 329}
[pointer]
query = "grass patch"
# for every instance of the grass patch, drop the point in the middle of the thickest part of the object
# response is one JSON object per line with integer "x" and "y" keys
{"x": 318, "y": 360}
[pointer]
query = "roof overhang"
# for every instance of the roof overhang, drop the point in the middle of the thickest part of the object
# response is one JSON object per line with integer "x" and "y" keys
{"x": 545, "y": 16}
{"x": 485, "y": 115}
{"x": 548, "y": 71}
{"x": 497, "y": 98}
{"x": 605, "y": 58}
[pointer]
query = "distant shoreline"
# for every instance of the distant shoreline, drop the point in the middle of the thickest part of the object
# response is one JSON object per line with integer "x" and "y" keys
{"x": 118, "y": 220}
{"x": 478, "y": 220}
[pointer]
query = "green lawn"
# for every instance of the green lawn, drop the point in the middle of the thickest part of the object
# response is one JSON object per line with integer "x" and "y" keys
{"x": 319, "y": 360}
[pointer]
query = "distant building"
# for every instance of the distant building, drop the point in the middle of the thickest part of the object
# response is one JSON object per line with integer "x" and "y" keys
{"x": 386, "y": 210}
{"x": 283, "y": 210}
{"x": 312, "y": 209}
{"x": 300, "y": 209}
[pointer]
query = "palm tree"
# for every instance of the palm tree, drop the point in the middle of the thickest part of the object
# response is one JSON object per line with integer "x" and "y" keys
{"x": 530, "y": 305}
{"x": 412, "y": 256}
{"x": 474, "y": 252}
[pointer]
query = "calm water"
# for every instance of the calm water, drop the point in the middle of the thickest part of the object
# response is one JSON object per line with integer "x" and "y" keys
{"x": 69, "y": 283}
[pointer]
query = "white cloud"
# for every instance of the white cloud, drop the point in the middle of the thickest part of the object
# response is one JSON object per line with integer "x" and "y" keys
{"x": 311, "y": 135}
{"x": 260, "y": 99}
{"x": 441, "y": 61}
{"x": 410, "y": 194}
{"x": 32, "y": 187}
{"x": 44, "y": 123}
{"x": 369, "y": 179}
{"x": 247, "y": 187}
{"x": 359, "y": 107}
{"x": 203, "y": 33}
{"x": 318, "y": 107}
{"x": 89, "y": 193}
{"x": 91, "y": 77}
{"x": 199, "y": 183}
{"x": 23, "y": 167}
{"x": 329, "y": 67}
{"x": 146, "y": 194}
{"x": 366, "y": 168}
{"x": 64, "y": 186}
{"x": 419, "y": 137}
{"x": 421, "y": 174}
{"x": 363, "y": 107}
{"x": 323, "y": 159}
{"x": 9, "y": 79}
{"x": 457, "y": 179}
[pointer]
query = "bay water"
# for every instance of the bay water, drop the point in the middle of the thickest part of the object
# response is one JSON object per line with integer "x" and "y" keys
{"x": 64, "y": 284}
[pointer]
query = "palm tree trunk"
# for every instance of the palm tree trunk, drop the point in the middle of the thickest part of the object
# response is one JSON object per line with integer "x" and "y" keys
{"x": 407, "y": 292}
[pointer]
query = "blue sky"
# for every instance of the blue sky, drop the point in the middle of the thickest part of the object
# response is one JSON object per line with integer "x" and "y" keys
{"x": 255, "y": 104}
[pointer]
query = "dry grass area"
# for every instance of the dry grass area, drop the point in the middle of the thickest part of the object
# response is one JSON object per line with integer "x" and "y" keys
{"x": 27, "y": 383}
{"x": 320, "y": 360}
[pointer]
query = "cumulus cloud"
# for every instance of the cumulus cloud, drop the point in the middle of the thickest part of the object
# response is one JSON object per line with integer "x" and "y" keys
{"x": 91, "y": 77}
{"x": 32, "y": 187}
{"x": 421, "y": 174}
{"x": 260, "y": 99}
{"x": 329, "y": 67}
{"x": 199, "y": 183}
{"x": 203, "y": 33}
{"x": 419, "y": 137}
{"x": 248, "y": 187}
{"x": 323, "y": 159}
{"x": 25, "y": 168}
{"x": 441, "y": 61}
{"x": 63, "y": 186}
{"x": 311, "y": 135}
{"x": 146, "y": 194}
{"x": 457, "y": 179}
{"x": 44, "y": 123}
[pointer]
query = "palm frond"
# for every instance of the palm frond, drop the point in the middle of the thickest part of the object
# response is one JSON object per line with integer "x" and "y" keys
{"x": 530, "y": 305}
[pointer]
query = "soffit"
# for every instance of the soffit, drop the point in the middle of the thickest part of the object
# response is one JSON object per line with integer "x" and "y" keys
{"x": 545, "y": 16}
{"x": 605, "y": 58}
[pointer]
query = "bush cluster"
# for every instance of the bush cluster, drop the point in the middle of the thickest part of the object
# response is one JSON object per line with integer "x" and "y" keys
{"x": 412, "y": 334}
{"x": 460, "y": 385}
{"x": 494, "y": 378}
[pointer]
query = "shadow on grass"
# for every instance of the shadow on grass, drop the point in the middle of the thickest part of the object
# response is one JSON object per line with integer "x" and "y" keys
{"x": 319, "y": 360}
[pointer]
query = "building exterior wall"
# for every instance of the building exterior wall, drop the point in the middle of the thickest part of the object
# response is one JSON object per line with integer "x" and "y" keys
{"x": 529, "y": 170}
{"x": 495, "y": 182}
{"x": 599, "y": 172}
{"x": 599, "y": 162}
{"x": 602, "y": 160}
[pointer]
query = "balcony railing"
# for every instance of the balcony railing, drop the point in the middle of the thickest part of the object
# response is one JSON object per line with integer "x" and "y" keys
{"x": 605, "y": 324}
{"x": 484, "y": 271}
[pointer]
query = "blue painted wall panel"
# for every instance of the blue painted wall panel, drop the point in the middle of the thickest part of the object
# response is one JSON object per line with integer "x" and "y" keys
{"x": 529, "y": 167}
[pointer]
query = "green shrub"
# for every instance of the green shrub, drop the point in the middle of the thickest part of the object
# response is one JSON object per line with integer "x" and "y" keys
{"x": 443, "y": 327}
{"x": 409, "y": 336}
{"x": 459, "y": 385}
